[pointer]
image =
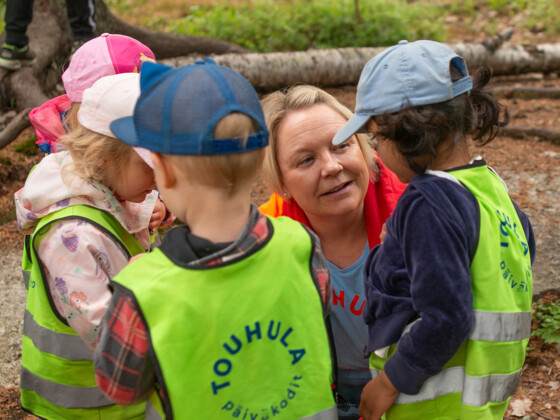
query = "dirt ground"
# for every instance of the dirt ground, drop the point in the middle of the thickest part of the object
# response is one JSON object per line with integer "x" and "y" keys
{"x": 529, "y": 166}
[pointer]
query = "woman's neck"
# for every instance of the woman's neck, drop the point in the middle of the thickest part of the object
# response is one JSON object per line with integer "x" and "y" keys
{"x": 343, "y": 238}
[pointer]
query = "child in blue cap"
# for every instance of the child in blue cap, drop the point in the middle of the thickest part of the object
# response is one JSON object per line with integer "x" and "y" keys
{"x": 449, "y": 290}
{"x": 227, "y": 318}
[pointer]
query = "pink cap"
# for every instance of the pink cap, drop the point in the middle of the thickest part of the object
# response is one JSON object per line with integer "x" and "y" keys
{"x": 105, "y": 55}
{"x": 108, "y": 99}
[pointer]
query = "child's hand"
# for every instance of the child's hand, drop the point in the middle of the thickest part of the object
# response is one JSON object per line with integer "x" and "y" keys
{"x": 377, "y": 396}
{"x": 157, "y": 215}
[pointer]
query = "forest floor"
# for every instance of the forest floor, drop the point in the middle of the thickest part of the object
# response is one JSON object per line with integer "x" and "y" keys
{"x": 529, "y": 166}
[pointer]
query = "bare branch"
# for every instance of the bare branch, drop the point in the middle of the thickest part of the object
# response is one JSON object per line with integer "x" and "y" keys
{"x": 525, "y": 132}
{"x": 496, "y": 42}
{"x": 14, "y": 128}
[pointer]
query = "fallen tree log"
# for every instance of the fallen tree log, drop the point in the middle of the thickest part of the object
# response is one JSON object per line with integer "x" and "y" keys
{"x": 552, "y": 136}
{"x": 510, "y": 92}
{"x": 343, "y": 66}
{"x": 14, "y": 127}
{"x": 49, "y": 35}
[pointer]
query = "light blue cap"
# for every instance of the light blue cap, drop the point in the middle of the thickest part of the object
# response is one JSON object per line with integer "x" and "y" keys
{"x": 403, "y": 76}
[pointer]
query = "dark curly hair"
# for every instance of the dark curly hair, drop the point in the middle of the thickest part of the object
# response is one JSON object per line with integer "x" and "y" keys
{"x": 418, "y": 131}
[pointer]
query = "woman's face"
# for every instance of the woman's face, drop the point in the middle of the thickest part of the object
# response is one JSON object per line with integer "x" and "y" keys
{"x": 325, "y": 180}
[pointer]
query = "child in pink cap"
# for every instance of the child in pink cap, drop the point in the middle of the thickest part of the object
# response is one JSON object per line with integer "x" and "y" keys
{"x": 105, "y": 55}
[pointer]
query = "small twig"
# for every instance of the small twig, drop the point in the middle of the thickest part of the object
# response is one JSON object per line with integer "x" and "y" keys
{"x": 533, "y": 382}
{"x": 496, "y": 42}
{"x": 542, "y": 415}
{"x": 14, "y": 127}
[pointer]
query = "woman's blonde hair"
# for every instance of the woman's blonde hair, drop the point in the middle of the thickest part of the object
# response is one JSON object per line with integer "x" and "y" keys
{"x": 96, "y": 157}
{"x": 228, "y": 171}
{"x": 278, "y": 105}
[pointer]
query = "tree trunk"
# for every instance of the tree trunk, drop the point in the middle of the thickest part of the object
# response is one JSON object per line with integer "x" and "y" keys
{"x": 343, "y": 66}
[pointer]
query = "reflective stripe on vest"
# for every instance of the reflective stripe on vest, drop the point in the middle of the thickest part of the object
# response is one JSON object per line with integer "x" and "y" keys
{"x": 58, "y": 379}
{"x": 70, "y": 347}
{"x": 328, "y": 414}
{"x": 477, "y": 391}
{"x": 501, "y": 326}
{"x": 265, "y": 344}
{"x": 65, "y": 395}
{"x": 151, "y": 412}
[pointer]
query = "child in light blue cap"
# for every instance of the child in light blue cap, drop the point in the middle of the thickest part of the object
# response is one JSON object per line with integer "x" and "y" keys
{"x": 449, "y": 290}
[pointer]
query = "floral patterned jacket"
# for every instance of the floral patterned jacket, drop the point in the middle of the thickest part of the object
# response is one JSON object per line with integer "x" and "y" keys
{"x": 79, "y": 259}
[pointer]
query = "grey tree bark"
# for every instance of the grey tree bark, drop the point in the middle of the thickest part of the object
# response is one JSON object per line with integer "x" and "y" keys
{"x": 343, "y": 66}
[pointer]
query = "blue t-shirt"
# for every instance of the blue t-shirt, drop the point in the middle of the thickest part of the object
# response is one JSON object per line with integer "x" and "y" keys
{"x": 349, "y": 328}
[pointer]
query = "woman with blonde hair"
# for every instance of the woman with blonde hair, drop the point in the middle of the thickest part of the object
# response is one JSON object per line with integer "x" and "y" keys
{"x": 344, "y": 194}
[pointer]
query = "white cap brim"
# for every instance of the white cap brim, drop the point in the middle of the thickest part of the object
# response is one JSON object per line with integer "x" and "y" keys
{"x": 145, "y": 154}
{"x": 350, "y": 128}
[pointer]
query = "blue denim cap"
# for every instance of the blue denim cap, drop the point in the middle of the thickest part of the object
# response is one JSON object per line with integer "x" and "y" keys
{"x": 178, "y": 109}
{"x": 403, "y": 76}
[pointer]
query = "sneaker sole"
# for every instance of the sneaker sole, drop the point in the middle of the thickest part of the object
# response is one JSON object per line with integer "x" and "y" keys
{"x": 10, "y": 64}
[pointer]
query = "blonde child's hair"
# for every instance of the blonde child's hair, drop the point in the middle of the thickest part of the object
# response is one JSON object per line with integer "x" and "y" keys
{"x": 228, "y": 171}
{"x": 95, "y": 157}
{"x": 278, "y": 105}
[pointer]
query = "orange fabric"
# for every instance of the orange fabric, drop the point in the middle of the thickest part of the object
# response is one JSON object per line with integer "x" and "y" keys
{"x": 379, "y": 202}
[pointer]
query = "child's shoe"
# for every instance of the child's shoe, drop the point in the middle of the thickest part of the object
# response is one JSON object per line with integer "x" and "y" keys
{"x": 12, "y": 57}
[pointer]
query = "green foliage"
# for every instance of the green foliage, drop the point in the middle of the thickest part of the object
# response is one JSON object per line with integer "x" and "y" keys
{"x": 2, "y": 12}
{"x": 5, "y": 160}
{"x": 28, "y": 147}
{"x": 548, "y": 315}
{"x": 265, "y": 25}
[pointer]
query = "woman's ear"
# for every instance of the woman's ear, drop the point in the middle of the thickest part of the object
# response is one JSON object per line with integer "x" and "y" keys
{"x": 164, "y": 170}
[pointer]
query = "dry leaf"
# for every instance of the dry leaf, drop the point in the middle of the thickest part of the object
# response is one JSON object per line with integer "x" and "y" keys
{"x": 553, "y": 385}
{"x": 519, "y": 408}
